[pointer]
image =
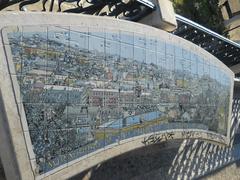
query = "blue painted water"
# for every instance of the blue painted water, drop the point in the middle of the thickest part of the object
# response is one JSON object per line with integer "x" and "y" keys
{"x": 132, "y": 120}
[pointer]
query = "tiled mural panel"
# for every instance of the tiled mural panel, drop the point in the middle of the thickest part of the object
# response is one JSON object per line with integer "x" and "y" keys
{"x": 84, "y": 88}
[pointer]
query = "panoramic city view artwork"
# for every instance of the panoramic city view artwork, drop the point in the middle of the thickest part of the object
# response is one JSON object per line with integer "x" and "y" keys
{"x": 85, "y": 88}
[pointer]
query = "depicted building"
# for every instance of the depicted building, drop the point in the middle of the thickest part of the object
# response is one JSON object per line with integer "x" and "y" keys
{"x": 78, "y": 90}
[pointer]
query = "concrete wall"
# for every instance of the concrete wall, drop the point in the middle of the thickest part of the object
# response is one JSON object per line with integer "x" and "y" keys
{"x": 16, "y": 151}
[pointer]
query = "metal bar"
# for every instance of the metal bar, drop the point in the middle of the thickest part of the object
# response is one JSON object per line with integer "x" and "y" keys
{"x": 147, "y": 3}
{"x": 202, "y": 28}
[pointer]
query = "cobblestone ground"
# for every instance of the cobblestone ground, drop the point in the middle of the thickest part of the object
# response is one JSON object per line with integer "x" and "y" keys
{"x": 149, "y": 163}
{"x": 231, "y": 172}
{"x": 144, "y": 163}
{"x": 158, "y": 161}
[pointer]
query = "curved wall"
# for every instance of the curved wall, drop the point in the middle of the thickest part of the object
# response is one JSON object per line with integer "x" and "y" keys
{"x": 89, "y": 91}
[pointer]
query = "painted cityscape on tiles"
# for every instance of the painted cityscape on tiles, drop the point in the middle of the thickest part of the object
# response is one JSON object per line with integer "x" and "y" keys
{"x": 85, "y": 88}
